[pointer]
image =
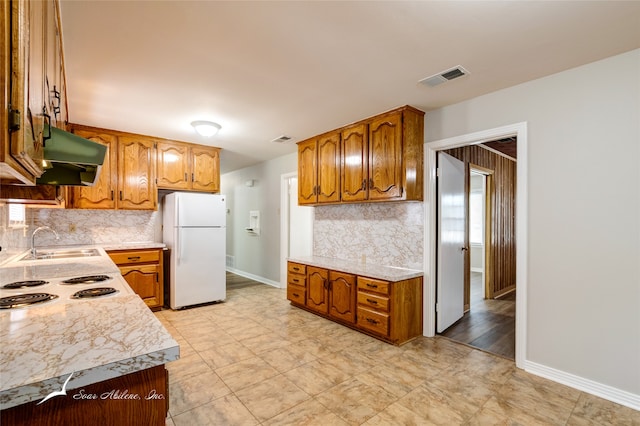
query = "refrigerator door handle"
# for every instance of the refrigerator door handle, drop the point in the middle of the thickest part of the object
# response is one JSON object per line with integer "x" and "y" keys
{"x": 178, "y": 246}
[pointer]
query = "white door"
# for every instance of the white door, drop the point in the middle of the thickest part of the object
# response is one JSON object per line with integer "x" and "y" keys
{"x": 451, "y": 230}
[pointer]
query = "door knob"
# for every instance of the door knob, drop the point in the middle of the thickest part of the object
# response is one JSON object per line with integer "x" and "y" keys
{"x": 464, "y": 248}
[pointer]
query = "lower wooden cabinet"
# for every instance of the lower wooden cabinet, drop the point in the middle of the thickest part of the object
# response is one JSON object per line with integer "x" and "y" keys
{"x": 143, "y": 271}
{"x": 151, "y": 385}
{"x": 390, "y": 311}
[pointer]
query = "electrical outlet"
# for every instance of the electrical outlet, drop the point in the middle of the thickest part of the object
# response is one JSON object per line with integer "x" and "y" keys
{"x": 72, "y": 227}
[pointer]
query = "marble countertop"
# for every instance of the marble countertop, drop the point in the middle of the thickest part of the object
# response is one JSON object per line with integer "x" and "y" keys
{"x": 94, "y": 341}
{"x": 133, "y": 246}
{"x": 370, "y": 270}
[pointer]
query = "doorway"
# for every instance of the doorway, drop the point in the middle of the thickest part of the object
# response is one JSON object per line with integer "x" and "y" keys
{"x": 296, "y": 225}
{"x": 488, "y": 249}
{"x": 519, "y": 131}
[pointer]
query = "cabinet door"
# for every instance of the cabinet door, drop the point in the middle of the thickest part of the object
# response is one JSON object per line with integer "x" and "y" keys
{"x": 27, "y": 82}
{"x": 354, "y": 163}
{"x": 205, "y": 171}
{"x": 173, "y": 165}
{"x": 145, "y": 281}
{"x": 307, "y": 169}
{"x": 329, "y": 168}
{"x": 53, "y": 77}
{"x": 102, "y": 194}
{"x": 136, "y": 174}
{"x": 385, "y": 157}
{"x": 342, "y": 296}
{"x": 317, "y": 289}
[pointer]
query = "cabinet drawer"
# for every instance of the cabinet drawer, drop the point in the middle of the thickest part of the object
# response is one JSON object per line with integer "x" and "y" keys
{"x": 295, "y": 279}
{"x": 135, "y": 256}
{"x": 296, "y": 294}
{"x": 296, "y": 268}
{"x": 375, "y": 321}
{"x": 373, "y": 301}
{"x": 376, "y": 286}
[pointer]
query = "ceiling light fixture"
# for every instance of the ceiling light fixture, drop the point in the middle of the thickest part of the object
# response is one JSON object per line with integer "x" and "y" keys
{"x": 206, "y": 128}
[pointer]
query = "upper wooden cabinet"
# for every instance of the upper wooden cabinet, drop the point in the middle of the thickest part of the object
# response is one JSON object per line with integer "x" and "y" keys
{"x": 319, "y": 169}
{"x": 188, "y": 167}
{"x": 127, "y": 178}
{"x": 33, "y": 91}
{"x": 379, "y": 159}
{"x": 102, "y": 195}
{"x": 136, "y": 174}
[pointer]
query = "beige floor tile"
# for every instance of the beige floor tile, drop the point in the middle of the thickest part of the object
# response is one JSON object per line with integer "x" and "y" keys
{"x": 591, "y": 410}
{"x": 526, "y": 411}
{"x": 394, "y": 380}
{"x": 486, "y": 366}
{"x": 245, "y": 373}
{"x": 225, "y": 411}
{"x": 264, "y": 342}
{"x": 350, "y": 362}
{"x": 396, "y": 414}
{"x": 316, "y": 376}
{"x": 271, "y": 397}
{"x": 438, "y": 406}
{"x": 186, "y": 367}
{"x": 356, "y": 401}
{"x": 308, "y": 413}
{"x": 287, "y": 358}
{"x": 487, "y": 416}
{"x": 227, "y": 354}
{"x": 195, "y": 391}
{"x": 169, "y": 421}
{"x": 210, "y": 340}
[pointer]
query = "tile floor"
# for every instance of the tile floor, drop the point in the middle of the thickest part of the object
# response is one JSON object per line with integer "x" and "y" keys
{"x": 255, "y": 360}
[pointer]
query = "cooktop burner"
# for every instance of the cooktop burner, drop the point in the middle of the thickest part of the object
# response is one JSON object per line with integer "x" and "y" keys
{"x": 25, "y": 284}
{"x": 22, "y": 300}
{"x": 87, "y": 280}
{"x": 93, "y": 292}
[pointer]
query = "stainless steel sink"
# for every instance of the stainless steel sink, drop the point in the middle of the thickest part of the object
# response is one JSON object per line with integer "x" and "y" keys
{"x": 60, "y": 254}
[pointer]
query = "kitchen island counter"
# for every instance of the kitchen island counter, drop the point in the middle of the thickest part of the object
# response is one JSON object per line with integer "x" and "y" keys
{"x": 92, "y": 340}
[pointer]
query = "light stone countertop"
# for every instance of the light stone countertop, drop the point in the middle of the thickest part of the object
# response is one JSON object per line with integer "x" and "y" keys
{"x": 132, "y": 246}
{"x": 95, "y": 340}
{"x": 370, "y": 270}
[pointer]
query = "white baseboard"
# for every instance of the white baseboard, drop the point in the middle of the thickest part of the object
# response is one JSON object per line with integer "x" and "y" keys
{"x": 254, "y": 277}
{"x": 607, "y": 392}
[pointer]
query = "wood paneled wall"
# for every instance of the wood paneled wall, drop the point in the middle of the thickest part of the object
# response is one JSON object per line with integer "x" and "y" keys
{"x": 502, "y": 263}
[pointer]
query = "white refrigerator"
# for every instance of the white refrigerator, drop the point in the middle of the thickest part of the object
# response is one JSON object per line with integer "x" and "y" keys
{"x": 194, "y": 228}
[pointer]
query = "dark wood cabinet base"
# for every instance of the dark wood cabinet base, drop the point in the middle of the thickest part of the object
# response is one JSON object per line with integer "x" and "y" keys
{"x": 137, "y": 398}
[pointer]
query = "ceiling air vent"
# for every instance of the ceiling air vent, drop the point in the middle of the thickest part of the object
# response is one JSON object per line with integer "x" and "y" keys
{"x": 444, "y": 76}
{"x": 282, "y": 139}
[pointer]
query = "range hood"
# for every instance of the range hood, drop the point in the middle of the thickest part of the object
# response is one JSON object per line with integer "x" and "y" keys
{"x": 71, "y": 160}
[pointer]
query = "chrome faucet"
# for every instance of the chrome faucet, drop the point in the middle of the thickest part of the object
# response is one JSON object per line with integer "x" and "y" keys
{"x": 33, "y": 238}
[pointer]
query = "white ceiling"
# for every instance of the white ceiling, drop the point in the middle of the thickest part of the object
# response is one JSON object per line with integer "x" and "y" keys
{"x": 264, "y": 69}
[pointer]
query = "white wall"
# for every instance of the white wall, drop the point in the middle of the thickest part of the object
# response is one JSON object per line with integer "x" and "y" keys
{"x": 257, "y": 256}
{"x": 583, "y": 212}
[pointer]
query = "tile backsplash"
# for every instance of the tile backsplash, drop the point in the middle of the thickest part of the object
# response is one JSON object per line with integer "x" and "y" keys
{"x": 80, "y": 227}
{"x": 389, "y": 234}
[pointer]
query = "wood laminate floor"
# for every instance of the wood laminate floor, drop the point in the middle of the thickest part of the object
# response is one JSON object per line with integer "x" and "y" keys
{"x": 489, "y": 325}
{"x": 257, "y": 360}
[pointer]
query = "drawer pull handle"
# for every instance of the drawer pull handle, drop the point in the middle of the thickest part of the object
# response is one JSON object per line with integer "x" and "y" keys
{"x": 296, "y": 269}
{"x": 372, "y": 321}
{"x": 372, "y": 285}
{"x": 133, "y": 257}
{"x": 373, "y": 302}
{"x": 296, "y": 294}
{"x": 295, "y": 280}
